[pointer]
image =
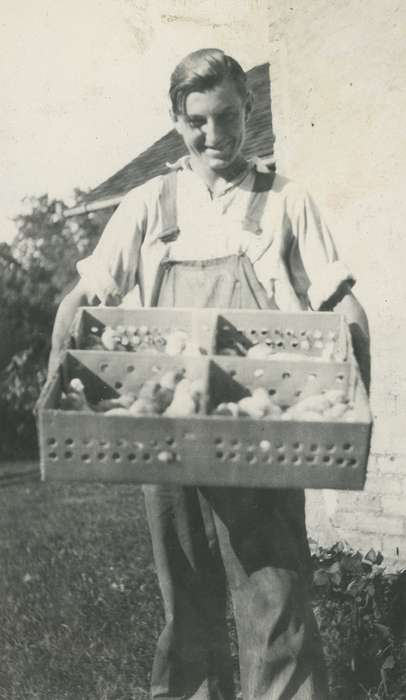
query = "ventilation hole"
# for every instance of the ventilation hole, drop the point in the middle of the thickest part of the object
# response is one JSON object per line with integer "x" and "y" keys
{"x": 303, "y": 332}
{"x": 219, "y": 454}
{"x": 281, "y": 458}
{"x": 232, "y": 456}
{"x": 101, "y": 456}
{"x": 297, "y": 445}
{"x": 232, "y": 372}
{"x": 280, "y": 344}
{"x": 87, "y": 441}
{"x": 296, "y": 459}
{"x": 348, "y": 447}
{"x": 104, "y": 443}
{"x": 294, "y": 343}
{"x": 146, "y": 456}
{"x": 104, "y": 366}
{"x": 330, "y": 447}
{"x": 218, "y": 441}
{"x": 265, "y": 445}
{"x": 271, "y": 392}
{"x": 120, "y": 442}
{"x": 313, "y": 447}
{"x": 327, "y": 459}
{"x": 118, "y": 385}
{"x": 286, "y": 375}
{"x": 264, "y": 331}
{"x": 132, "y": 457}
{"x": 53, "y": 456}
{"x": 235, "y": 442}
{"x": 68, "y": 454}
{"x": 69, "y": 441}
{"x": 298, "y": 392}
{"x": 169, "y": 440}
{"x": 253, "y": 331}
{"x": 116, "y": 456}
{"x": 130, "y": 369}
{"x": 340, "y": 378}
{"x": 289, "y": 332}
{"x": 85, "y": 457}
{"x": 277, "y": 331}
{"x": 279, "y": 445}
{"x": 352, "y": 462}
{"x": 51, "y": 441}
{"x": 310, "y": 459}
{"x": 340, "y": 461}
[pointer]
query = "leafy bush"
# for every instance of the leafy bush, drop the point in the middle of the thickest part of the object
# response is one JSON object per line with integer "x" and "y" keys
{"x": 35, "y": 271}
{"x": 360, "y": 603}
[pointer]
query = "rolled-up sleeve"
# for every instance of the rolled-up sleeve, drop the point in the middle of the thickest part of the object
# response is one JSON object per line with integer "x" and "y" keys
{"x": 111, "y": 270}
{"x": 315, "y": 268}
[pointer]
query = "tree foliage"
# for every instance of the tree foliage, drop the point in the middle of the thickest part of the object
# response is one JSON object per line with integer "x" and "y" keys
{"x": 35, "y": 271}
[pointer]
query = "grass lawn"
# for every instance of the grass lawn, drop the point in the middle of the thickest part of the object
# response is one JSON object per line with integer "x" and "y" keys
{"x": 80, "y": 610}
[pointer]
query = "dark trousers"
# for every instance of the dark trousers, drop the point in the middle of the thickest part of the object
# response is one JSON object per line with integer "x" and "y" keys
{"x": 254, "y": 540}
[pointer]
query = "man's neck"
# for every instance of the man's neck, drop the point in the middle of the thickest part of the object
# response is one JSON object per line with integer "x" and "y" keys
{"x": 211, "y": 177}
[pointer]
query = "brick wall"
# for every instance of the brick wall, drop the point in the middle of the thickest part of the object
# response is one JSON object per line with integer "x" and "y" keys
{"x": 338, "y": 90}
{"x": 375, "y": 517}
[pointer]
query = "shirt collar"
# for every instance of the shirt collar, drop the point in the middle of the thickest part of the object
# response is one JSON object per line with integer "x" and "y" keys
{"x": 183, "y": 164}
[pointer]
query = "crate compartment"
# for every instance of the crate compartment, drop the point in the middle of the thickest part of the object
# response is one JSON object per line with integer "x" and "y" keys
{"x": 203, "y": 449}
{"x": 310, "y": 334}
{"x": 92, "y": 321}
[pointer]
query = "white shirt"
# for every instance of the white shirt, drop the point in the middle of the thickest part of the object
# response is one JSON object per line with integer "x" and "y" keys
{"x": 231, "y": 220}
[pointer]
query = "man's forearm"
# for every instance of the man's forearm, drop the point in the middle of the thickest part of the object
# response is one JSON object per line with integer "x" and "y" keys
{"x": 356, "y": 317}
{"x": 63, "y": 321}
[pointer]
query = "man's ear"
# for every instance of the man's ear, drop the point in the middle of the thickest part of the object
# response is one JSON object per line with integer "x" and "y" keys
{"x": 175, "y": 120}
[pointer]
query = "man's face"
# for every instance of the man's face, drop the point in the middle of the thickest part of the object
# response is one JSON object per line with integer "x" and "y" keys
{"x": 213, "y": 125}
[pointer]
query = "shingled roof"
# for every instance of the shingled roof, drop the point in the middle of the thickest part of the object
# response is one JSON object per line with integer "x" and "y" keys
{"x": 152, "y": 162}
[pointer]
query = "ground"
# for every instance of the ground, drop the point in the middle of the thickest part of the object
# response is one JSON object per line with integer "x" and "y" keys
{"x": 80, "y": 610}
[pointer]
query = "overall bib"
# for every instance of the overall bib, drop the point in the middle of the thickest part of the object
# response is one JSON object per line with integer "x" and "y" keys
{"x": 251, "y": 540}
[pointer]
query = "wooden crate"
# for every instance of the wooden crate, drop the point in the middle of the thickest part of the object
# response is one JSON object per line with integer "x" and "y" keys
{"x": 204, "y": 449}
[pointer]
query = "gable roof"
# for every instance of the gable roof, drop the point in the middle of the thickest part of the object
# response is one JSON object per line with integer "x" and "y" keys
{"x": 152, "y": 162}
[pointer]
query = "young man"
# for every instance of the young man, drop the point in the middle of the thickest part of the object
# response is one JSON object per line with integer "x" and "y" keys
{"x": 223, "y": 232}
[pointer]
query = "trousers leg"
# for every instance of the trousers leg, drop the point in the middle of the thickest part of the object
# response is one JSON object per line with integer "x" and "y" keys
{"x": 192, "y": 658}
{"x": 262, "y": 537}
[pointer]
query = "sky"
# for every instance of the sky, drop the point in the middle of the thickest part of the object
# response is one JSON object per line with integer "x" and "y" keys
{"x": 83, "y": 85}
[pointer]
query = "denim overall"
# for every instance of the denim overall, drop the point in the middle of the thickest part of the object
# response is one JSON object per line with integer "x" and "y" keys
{"x": 251, "y": 541}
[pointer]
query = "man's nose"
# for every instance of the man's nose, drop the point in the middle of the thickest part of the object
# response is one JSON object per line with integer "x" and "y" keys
{"x": 214, "y": 132}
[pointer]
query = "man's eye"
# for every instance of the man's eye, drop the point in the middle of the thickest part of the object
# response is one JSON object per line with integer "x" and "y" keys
{"x": 195, "y": 123}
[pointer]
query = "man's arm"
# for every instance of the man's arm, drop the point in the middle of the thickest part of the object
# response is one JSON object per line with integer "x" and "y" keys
{"x": 357, "y": 320}
{"x": 79, "y": 296}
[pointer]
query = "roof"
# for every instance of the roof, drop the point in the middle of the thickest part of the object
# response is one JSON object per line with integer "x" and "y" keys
{"x": 152, "y": 162}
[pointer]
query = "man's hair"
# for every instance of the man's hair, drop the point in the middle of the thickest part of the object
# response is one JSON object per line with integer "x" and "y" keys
{"x": 203, "y": 70}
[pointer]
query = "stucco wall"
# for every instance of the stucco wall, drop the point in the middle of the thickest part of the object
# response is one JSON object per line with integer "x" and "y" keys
{"x": 339, "y": 98}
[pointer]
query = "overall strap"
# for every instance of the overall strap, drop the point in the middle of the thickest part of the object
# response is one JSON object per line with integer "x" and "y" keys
{"x": 168, "y": 207}
{"x": 257, "y": 200}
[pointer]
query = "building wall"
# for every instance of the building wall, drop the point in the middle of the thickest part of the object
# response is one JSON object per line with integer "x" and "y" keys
{"x": 339, "y": 99}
